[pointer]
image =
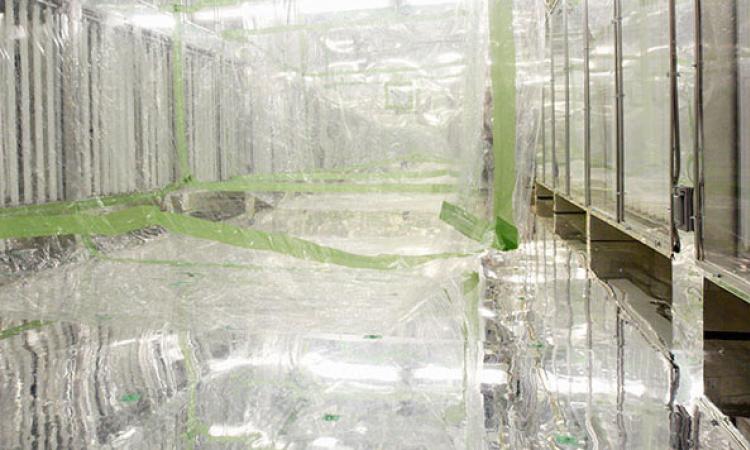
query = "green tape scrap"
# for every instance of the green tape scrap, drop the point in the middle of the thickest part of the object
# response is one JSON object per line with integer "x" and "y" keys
{"x": 566, "y": 439}
{"x": 331, "y": 417}
{"x": 373, "y": 336}
{"x": 132, "y": 397}
{"x": 471, "y": 281}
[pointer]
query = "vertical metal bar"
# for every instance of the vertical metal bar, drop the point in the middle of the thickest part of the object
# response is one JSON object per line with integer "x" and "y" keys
{"x": 674, "y": 120}
{"x": 586, "y": 104}
{"x": 553, "y": 99}
{"x": 544, "y": 105}
{"x": 119, "y": 146}
{"x": 698, "y": 167}
{"x": 4, "y": 65}
{"x": 85, "y": 109}
{"x": 106, "y": 121}
{"x": 151, "y": 58}
{"x": 95, "y": 52}
{"x": 72, "y": 158}
{"x": 619, "y": 99}
{"x": 140, "y": 102}
{"x": 544, "y": 136}
{"x": 51, "y": 104}
{"x": 40, "y": 191}
{"x": 26, "y": 144}
{"x": 566, "y": 66}
{"x": 11, "y": 106}
{"x": 164, "y": 147}
{"x": 130, "y": 93}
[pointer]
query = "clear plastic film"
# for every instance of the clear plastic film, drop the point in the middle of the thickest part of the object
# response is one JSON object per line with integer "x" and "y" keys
{"x": 583, "y": 369}
{"x": 243, "y": 224}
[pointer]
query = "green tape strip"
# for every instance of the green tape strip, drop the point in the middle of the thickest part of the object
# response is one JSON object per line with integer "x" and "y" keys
{"x": 56, "y": 208}
{"x": 154, "y": 197}
{"x": 503, "y": 55}
{"x": 501, "y": 235}
{"x": 262, "y": 186}
{"x": 121, "y": 222}
{"x": 464, "y": 222}
{"x": 15, "y": 331}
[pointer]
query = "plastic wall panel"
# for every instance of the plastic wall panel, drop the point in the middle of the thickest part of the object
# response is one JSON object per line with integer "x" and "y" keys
{"x": 603, "y": 111}
{"x": 548, "y": 114}
{"x": 29, "y": 87}
{"x": 645, "y": 66}
{"x": 576, "y": 48}
{"x": 560, "y": 98}
{"x": 725, "y": 150}
{"x": 685, "y": 41}
{"x": 743, "y": 72}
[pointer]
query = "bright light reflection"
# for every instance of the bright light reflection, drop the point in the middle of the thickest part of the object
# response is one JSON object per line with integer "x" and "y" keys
{"x": 153, "y": 21}
{"x": 325, "y": 442}
{"x": 493, "y": 376}
{"x": 246, "y": 429}
{"x": 580, "y": 385}
{"x": 438, "y": 373}
{"x": 326, "y": 6}
{"x": 348, "y": 371}
{"x": 429, "y": 2}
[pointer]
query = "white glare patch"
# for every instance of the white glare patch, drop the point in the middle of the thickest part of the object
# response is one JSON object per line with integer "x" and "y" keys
{"x": 493, "y": 376}
{"x": 328, "y": 6}
{"x": 437, "y": 373}
{"x": 260, "y": 438}
{"x": 153, "y": 21}
{"x": 348, "y": 371}
{"x": 325, "y": 442}
{"x": 486, "y": 313}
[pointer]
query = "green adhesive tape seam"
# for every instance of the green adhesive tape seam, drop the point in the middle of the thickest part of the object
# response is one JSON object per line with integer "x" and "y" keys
{"x": 503, "y": 74}
{"x": 72, "y": 207}
{"x": 264, "y": 182}
{"x": 464, "y": 222}
{"x": 132, "y": 219}
{"x": 500, "y": 235}
{"x": 15, "y": 331}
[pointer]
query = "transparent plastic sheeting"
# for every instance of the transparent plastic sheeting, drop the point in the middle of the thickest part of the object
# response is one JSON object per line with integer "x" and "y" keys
{"x": 242, "y": 224}
{"x": 584, "y": 369}
{"x": 159, "y": 339}
{"x": 725, "y": 99}
{"x": 155, "y": 94}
